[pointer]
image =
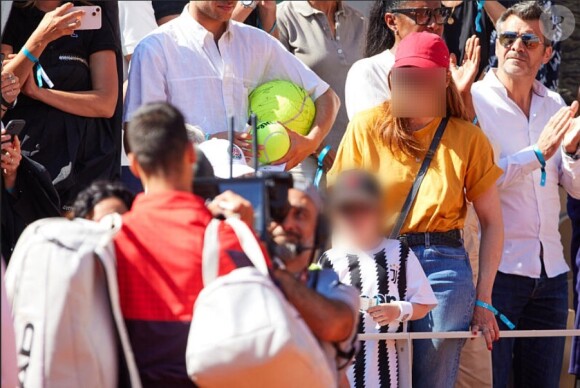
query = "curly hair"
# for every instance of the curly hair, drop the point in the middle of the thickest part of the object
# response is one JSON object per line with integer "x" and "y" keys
{"x": 99, "y": 191}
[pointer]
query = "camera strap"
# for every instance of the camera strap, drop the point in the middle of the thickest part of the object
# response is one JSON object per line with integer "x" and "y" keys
{"x": 419, "y": 179}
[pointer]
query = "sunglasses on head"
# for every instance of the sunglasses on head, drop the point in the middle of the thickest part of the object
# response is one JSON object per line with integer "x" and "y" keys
{"x": 508, "y": 38}
{"x": 423, "y": 16}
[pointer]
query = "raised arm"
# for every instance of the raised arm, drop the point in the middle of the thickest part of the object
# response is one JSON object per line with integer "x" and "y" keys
{"x": 494, "y": 9}
{"x": 54, "y": 25}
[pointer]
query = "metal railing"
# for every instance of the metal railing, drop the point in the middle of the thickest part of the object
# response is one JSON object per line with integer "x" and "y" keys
{"x": 405, "y": 343}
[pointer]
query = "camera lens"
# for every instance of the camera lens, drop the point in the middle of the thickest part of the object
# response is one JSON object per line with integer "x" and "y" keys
{"x": 94, "y": 14}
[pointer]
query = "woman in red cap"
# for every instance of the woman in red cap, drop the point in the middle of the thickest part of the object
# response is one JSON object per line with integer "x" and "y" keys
{"x": 392, "y": 140}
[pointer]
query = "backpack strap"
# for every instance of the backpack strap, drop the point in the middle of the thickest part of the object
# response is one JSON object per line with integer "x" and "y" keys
{"x": 211, "y": 248}
{"x": 419, "y": 179}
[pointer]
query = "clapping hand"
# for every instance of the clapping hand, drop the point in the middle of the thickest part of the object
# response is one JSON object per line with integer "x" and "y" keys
{"x": 464, "y": 75}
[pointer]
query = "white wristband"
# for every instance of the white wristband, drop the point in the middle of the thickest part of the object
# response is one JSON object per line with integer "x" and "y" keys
{"x": 406, "y": 310}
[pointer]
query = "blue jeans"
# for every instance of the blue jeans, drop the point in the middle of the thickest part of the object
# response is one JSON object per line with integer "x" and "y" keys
{"x": 531, "y": 304}
{"x": 436, "y": 361}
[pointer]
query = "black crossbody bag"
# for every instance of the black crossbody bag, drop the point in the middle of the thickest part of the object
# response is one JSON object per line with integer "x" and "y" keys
{"x": 419, "y": 179}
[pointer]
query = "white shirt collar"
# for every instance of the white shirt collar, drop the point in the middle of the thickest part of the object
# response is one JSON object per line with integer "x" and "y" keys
{"x": 492, "y": 81}
{"x": 196, "y": 30}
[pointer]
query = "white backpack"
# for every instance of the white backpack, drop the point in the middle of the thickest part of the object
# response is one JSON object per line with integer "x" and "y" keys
{"x": 69, "y": 329}
{"x": 244, "y": 333}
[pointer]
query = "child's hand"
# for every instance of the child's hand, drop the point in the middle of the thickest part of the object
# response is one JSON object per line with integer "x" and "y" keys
{"x": 384, "y": 313}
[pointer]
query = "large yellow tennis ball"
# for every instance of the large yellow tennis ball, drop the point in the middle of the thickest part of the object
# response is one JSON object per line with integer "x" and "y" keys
{"x": 274, "y": 140}
{"x": 284, "y": 102}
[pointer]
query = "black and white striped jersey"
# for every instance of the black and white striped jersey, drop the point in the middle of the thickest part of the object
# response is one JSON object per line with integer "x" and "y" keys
{"x": 391, "y": 272}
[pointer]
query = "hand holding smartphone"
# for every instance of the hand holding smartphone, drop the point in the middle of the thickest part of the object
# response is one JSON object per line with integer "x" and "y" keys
{"x": 92, "y": 18}
{"x": 13, "y": 129}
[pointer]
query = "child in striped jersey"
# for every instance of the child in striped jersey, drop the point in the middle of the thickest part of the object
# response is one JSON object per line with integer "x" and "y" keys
{"x": 392, "y": 284}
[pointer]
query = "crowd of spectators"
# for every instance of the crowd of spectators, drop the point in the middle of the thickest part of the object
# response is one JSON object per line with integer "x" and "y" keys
{"x": 438, "y": 124}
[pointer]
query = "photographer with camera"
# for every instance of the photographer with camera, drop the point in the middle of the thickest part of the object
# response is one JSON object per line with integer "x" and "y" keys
{"x": 329, "y": 307}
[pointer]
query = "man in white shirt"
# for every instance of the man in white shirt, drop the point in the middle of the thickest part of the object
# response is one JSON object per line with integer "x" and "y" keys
{"x": 537, "y": 139}
{"x": 206, "y": 65}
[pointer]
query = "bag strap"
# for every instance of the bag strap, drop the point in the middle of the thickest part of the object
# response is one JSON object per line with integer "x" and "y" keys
{"x": 419, "y": 179}
{"x": 211, "y": 248}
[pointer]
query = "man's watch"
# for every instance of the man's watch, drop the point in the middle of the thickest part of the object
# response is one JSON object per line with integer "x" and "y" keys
{"x": 249, "y": 4}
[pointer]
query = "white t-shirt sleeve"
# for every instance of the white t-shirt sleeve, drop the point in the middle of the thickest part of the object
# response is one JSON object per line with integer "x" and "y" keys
{"x": 147, "y": 82}
{"x": 284, "y": 65}
{"x": 136, "y": 19}
{"x": 419, "y": 290}
{"x": 366, "y": 84}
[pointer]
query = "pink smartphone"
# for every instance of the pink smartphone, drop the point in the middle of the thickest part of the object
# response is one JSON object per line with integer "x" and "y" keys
{"x": 92, "y": 19}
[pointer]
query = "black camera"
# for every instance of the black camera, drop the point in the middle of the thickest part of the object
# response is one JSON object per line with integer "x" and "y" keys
{"x": 267, "y": 192}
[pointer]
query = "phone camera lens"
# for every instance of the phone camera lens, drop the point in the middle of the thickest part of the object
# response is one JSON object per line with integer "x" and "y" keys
{"x": 94, "y": 14}
{"x": 98, "y": 10}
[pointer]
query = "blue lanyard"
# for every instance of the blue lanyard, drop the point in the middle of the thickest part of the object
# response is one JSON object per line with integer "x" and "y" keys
{"x": 479, "y": 16}
{"x": 542, "y": 161}
{"x": 495, "y": 312}
{"x": 320, "y": 169}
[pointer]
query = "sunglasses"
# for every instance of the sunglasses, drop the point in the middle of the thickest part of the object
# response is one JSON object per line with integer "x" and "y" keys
{"x": 508, "y": 38}
{"x": 423, "y": 16}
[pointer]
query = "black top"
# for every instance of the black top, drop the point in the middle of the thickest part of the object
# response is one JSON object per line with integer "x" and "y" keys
{"x": 75, "y": 150}
{"x": 463, "y": 27}
{"x": 33, "y": 198}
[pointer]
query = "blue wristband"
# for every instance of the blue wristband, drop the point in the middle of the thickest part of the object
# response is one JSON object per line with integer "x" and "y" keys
{"x": 320, "y": 169}
{"x": 29, "y": 55}
{"x": 542, "y": 161}
{"x": 475, "y": 121}
{"x": 40, "y": 73}
{"x": 495, "y": 312}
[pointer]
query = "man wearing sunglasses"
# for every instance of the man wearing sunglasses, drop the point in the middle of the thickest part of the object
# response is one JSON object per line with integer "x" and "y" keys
{"x": 536, "y": 141}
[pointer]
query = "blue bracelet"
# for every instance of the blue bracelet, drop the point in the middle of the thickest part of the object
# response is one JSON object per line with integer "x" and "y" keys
{"x": 29, "y": 55}
{"x": 495, "y": 312}
{"x": 542, "y": 161}
{"x": 320, "y": 169}
{"x": 40, "y": 73}
{"x": 475, "y": 121}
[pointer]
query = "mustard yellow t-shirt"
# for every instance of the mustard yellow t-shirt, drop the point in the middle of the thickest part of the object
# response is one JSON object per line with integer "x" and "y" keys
{"x": 463, "y": 166}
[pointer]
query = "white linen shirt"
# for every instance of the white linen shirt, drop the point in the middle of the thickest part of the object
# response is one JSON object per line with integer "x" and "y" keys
{"x": 367, "y": 83}
{"x": 180, "y": 63}
{"x": 531, "y": 212}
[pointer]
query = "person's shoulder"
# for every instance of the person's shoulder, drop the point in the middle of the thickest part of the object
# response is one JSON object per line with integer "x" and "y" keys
{"x": 369, "y": 117}
{"x": 553, "y": 98}
{"x": 370, "y": 64}
{"x": 463, "y": 131}
{"x": 251, "y": 34}
{"x": 353, "y": 13}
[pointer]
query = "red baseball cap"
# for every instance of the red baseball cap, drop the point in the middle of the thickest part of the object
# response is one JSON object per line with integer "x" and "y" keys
{"x": 422, "y": 49}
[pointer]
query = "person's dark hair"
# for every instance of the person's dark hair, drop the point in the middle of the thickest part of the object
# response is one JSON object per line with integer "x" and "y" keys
{"x": 379, "y": 35}
{"x": 158, "y": 138}
{"x": 97, "y": 192}
{"x": 527, "y": 11}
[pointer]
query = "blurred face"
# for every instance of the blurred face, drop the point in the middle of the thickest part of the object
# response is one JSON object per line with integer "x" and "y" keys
{"x": 297, "y": 230}
{"x": 515, "y": 57}
{"x": 358, "y": 224}
{"x": 410, "y": 85}
{"x": 405, "y": 23}
{"x": 217, "y": 10}
{"x": 108, "y": 206}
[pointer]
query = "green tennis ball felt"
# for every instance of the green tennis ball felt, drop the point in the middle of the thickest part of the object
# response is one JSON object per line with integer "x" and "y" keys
{"x": 275, "y": 142}
{"x": 284, "y": 102}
